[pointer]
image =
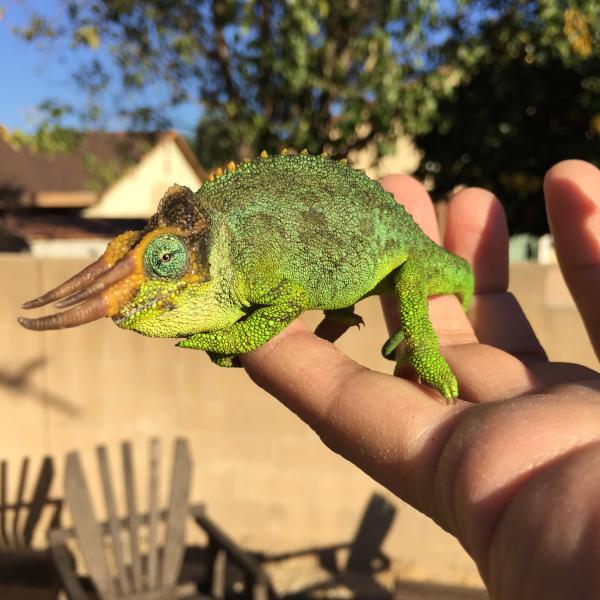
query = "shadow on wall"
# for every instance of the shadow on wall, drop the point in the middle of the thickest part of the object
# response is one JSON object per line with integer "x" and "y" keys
{"x": 20, "y": 380}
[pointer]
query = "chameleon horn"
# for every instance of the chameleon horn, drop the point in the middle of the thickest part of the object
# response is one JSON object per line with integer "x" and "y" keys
{"x": 73, "y": 284}
{"x": 91, "y": 310}
{"x": 121, "y": 269}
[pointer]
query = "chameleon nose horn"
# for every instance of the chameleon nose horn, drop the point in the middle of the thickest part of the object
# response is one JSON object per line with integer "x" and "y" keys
{"x": 87, "y": 285}
{"x": 87, "y": 275}
{"x": 89, "y": 311}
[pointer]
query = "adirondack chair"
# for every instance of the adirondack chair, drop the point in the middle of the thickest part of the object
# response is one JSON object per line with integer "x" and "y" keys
{"x": 27, "y": 571}
{"x": 149, "y": 571}
{"x": 364, "y": 555}
{"x": 121, "y": 562}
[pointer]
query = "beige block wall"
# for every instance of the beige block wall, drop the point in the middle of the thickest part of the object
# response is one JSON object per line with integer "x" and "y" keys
{"x": 136, "y": 194}
{"x": 263, "y": 474}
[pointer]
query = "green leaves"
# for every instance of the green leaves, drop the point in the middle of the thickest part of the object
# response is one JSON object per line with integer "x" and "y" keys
{"x": 527, "y": 97}
{"x": 87, "y": 35}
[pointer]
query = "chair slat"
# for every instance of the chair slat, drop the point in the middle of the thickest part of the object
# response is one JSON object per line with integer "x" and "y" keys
{"x": 3, "y": 503}
{"x": 78, "y": 498}
{"x": 19, "y": 500}
{"x": 177, "y": 512}
{"x": 132, "y": 513}
{"x": 39, "y": 499}
{"x": 153, "y": 514}
{"x": 113, "y": 519}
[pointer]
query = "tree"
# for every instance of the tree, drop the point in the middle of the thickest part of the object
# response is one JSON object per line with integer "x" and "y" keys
{"x": 320, "y": 74}
{"x": 531, "y": 99}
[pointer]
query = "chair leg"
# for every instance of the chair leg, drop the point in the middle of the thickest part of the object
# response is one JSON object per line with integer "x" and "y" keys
{"x": 219, "y": 575}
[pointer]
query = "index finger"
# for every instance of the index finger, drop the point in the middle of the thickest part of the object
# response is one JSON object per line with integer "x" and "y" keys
{"x": 393, "y": 429}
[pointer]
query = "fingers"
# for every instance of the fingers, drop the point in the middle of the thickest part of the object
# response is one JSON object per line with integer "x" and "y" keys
{"x": 476, "y": 229}
{"x": 572, "y": 190}
{"x": 487, "y": 374}
{"x": 391, "y": 428}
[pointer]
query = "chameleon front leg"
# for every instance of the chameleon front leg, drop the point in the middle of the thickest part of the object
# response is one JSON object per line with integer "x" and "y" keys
{"x": 225, "y": 360}
{"x": 422, "y": 346}
{"x": 283, "y": 305}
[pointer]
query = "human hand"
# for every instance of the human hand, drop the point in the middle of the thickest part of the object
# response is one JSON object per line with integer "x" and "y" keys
{"x": 512, "y": 469}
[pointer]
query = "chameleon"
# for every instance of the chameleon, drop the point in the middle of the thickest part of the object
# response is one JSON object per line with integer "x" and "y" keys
{"x": 229, "y": 266}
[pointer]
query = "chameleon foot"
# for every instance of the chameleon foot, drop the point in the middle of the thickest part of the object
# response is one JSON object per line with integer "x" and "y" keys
{"x": 434, "y": 371}
{"x": 225, "y": 360}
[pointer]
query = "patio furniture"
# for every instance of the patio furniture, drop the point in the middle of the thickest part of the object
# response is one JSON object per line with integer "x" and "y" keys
{"x": 27, "y": 571}
{"x": 125, "y": 557}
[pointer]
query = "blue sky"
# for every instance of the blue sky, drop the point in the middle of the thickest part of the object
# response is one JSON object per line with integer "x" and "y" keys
{"x": 32, "y": 73}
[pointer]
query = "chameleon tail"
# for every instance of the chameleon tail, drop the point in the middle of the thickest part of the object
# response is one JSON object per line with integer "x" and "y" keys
{"x": 453, "y": 275}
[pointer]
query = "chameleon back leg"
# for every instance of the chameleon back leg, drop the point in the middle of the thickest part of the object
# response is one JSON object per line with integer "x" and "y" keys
{"x": 414, "y": 282}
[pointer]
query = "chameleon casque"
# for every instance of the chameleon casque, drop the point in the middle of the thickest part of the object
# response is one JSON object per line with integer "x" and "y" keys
{"x": 230, "y": 266}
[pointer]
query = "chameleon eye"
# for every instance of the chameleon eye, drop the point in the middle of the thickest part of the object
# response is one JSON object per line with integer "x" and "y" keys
{"x": 166, "y": 257}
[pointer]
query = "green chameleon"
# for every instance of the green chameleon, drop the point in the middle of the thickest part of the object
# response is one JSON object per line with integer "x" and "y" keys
{"x": 230, "y": 266}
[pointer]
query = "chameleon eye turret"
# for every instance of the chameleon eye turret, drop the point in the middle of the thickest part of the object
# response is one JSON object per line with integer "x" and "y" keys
{"x": 166, "y": 257}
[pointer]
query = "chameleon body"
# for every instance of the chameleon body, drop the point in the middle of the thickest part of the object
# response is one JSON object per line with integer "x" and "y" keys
{"x": 230, "y": 266}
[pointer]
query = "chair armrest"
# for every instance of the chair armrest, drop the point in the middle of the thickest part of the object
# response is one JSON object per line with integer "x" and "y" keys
{"x": 241, "y": 558}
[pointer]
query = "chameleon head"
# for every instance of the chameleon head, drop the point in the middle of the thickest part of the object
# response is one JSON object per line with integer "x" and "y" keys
{"x": 144, "y": 281}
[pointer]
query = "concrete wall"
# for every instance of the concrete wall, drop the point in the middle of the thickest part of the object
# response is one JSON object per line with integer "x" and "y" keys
{"x": 263, "y": 474}
{"x": 136, "y": 194}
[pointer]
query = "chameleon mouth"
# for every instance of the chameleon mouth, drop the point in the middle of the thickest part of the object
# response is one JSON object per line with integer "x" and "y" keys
{"x": 127, "y": 317}
{"x": 164, "y": 300}
{"x": 92, "y": 293}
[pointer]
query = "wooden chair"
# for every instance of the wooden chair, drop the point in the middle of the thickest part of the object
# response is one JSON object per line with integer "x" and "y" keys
{"x": 122, "y": 563}
{"x": 27, "y": 571}
{"x": 121, "y": 566}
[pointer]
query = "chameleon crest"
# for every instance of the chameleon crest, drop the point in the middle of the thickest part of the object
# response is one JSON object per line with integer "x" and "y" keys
{"x": 228, "y": 267}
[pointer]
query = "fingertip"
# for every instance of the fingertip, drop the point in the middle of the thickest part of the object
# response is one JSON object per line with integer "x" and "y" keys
{"x": 476, "y": 229}
{"x": 416, "y": 200}
{"x": 572, "y": 190}
{"x": 572, "y": 169}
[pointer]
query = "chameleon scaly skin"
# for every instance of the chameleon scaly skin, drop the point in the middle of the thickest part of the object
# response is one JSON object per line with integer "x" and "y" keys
{"x": 230, "y": 266}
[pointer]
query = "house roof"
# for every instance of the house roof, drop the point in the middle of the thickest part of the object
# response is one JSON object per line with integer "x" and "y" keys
{"x": 30, "y": 225}
{"x": 75, "y": 179}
